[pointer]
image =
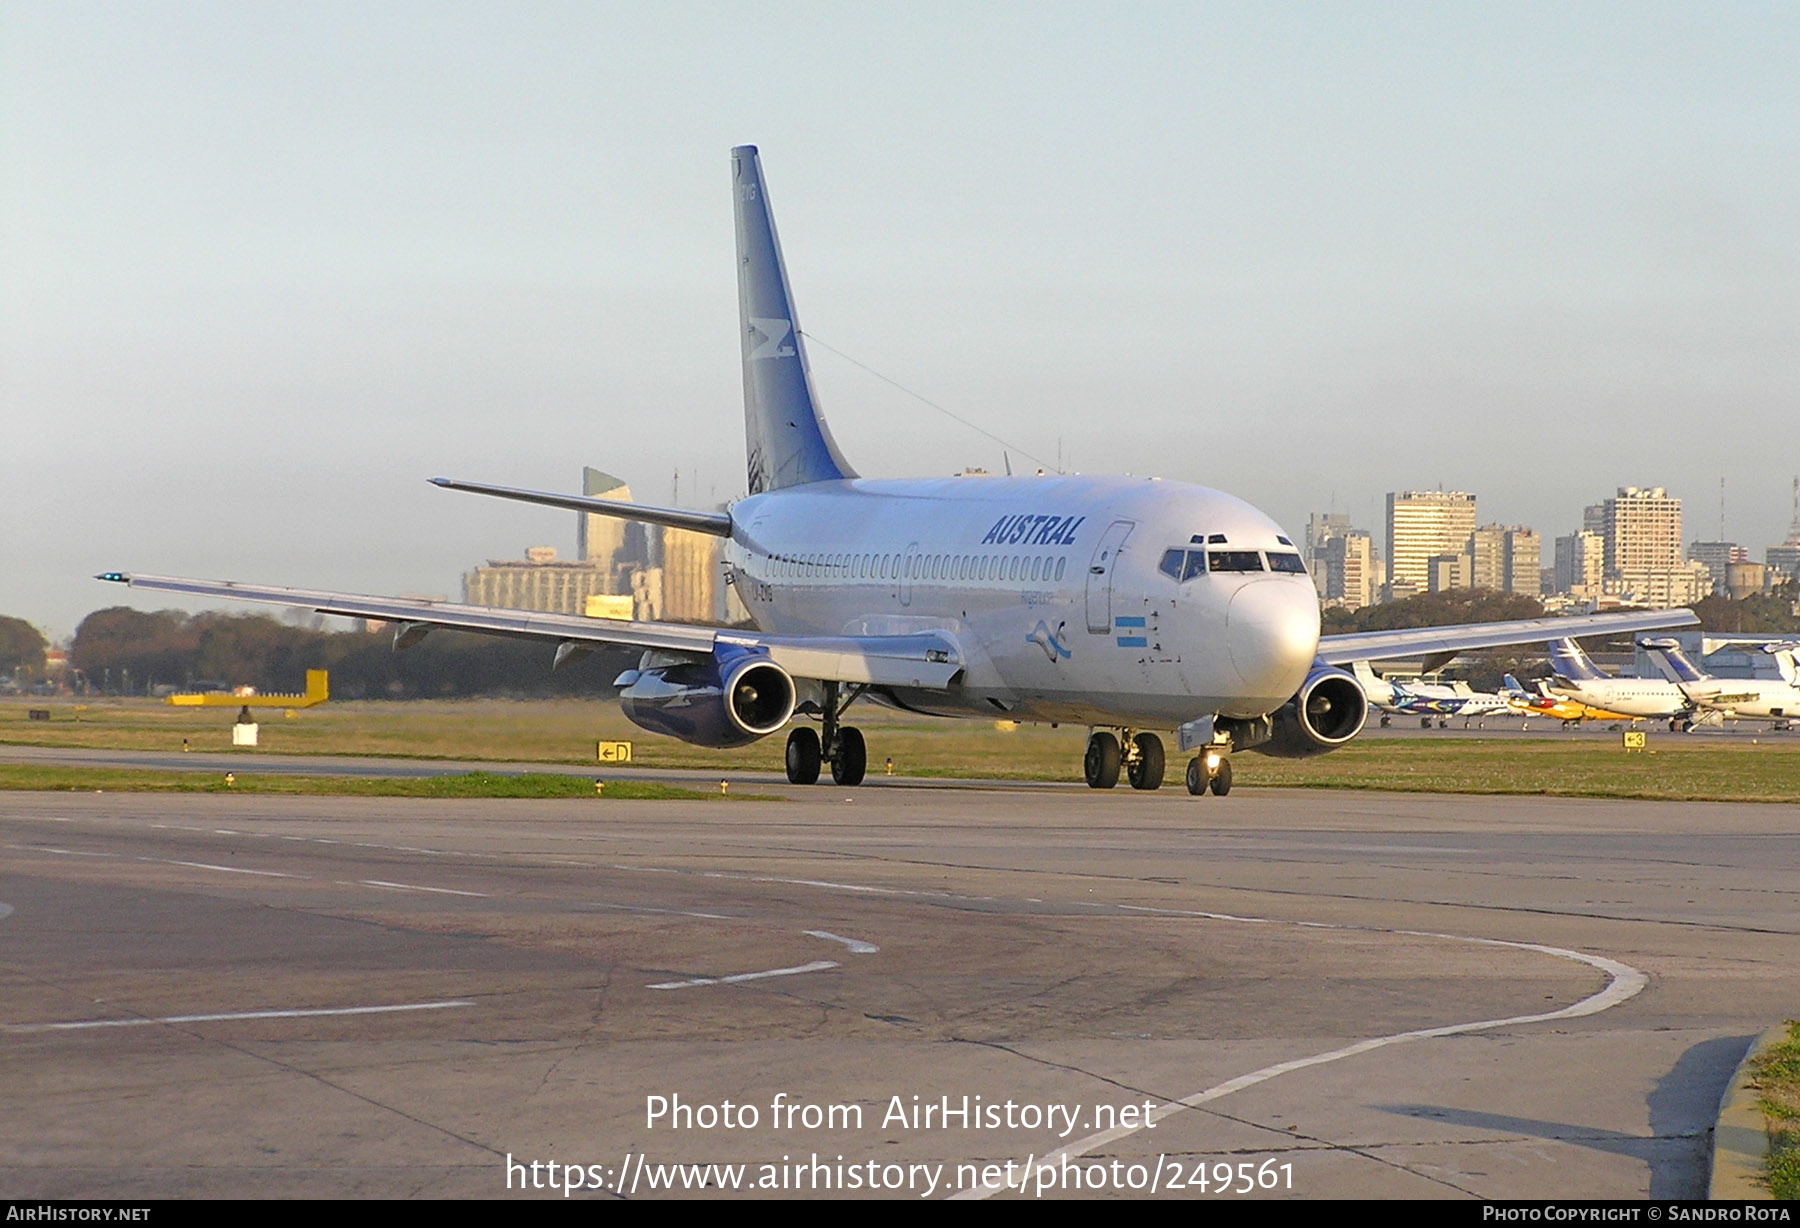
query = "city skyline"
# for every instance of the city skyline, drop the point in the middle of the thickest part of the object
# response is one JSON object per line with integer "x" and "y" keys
{"x": 264, "y": 270}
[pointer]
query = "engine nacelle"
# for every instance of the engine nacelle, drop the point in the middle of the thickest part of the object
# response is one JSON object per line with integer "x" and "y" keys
{"x": 1328, "y": 710}
{"x": 719, "y": 702}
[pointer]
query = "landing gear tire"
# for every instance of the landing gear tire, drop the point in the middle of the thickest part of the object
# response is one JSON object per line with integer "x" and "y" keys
{"x": 1199, "y": 780}
{"x": 803, "y": 757}
{"x": 1100, "y": 766}
{"x": 1424, "y": 722}
{"x": 852, "y": 758}
{"x": 1146, "y": 771}
{"x": 1385, "y": 721}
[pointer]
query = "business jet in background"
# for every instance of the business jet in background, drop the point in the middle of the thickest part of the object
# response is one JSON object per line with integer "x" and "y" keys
{"x": 1731, "y": 699}
{"x": 1130, "y": 605}
{"x": 1428, "y": 701}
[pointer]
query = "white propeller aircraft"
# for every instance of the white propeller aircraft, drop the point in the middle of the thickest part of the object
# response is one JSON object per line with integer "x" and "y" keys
{"x": 1130, "y": 605}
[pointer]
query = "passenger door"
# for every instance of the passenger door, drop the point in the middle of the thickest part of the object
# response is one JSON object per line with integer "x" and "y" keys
{"x": 1100, "y": 575}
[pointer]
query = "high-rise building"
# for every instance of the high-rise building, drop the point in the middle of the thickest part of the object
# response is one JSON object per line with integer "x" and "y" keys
{"x": 537, "y": 582}
{"x": 1524, "y": 561}
{"x": 1643, "y": 549}
{"x": 1642, "y": 531}
{"x": 1487, "y": 557}
{"x": 691, "y": 576}
{"x": 1323, "y": 526}
{"x": 1344, "y": 570}
{"x": 1447, "y": 571}
{"x": 1580, "y": 564}
{"x": 1717, "y": 556}
{"x": 598, "y": 539}
{"x": 1421, "y": 525}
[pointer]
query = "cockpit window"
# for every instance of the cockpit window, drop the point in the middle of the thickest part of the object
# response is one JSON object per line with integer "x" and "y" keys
{"x": 1171, "y": 564}
{"x": 1234, "y": 560}
{"x": 1286, "y": 562}
{"x": 1196, "y": 565}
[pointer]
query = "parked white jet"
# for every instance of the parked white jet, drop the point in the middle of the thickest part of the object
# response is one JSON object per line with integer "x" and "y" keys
{"x": 1732, "y": 699}
{"x": 1578, "y": 679}
{"x": 1426, "y": 700}
{"x": 1126, "y": 604}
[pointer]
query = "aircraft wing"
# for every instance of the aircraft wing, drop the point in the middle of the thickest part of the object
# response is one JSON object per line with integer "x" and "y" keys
{"x": 1430, "y": 641}
{"x": 928, "y": 660}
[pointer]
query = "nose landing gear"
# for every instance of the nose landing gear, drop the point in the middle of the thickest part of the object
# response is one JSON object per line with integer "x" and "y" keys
{"x": 1209, "y": 769}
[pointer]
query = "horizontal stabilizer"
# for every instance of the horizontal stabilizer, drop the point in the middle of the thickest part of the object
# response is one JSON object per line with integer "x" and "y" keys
{"x": 716, "y": 523}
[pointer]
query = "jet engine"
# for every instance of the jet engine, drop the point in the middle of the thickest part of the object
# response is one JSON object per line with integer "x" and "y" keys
{"x": 720, "y": 701}
{"x": 1328, "y": 710}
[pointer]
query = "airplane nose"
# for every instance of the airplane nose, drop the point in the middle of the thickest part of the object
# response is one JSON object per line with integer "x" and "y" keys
{"x": 1272, "y": 631}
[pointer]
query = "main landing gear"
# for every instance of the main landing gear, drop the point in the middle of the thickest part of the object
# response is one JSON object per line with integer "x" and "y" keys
{"x": 1141, "y": 758}
{"x": 841, "y": 746}
{"x": 1209, "y": 769}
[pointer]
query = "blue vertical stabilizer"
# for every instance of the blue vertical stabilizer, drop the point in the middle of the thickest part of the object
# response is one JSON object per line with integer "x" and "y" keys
{"x": 787, "y": 441}
{"x": 1567, "y": 659}
{"x": 1673, "y": 661}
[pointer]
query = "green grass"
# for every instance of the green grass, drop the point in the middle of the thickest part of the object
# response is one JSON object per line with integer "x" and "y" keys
{"x": 1676, "y": 768}
{"x": 471, "y": 784}
{"x": 1777, "y": 1075}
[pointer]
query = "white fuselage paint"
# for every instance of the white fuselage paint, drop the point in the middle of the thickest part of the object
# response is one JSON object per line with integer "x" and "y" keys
{"x": 1052, "y": 587}
{"x": 1640, "y": 697}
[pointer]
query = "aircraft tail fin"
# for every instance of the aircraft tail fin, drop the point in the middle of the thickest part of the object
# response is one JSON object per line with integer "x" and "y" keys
{"x": 1512, "y": 686}
{"x": 1784, "y": 661}
{"x": 1673, "y": 661}
{"x": 1567, "y": 659}
{"x": 787, "y": 440}
{"x": 1378, "y": 690}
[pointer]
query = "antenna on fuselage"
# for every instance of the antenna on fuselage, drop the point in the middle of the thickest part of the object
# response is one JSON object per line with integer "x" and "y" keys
{"x": 1007, "y": 460}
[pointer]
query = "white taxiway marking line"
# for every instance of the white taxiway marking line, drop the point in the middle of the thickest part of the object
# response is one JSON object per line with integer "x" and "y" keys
{"x": 201, "y": 865}
{"x": 376, "y": 882}
{"x": 857, "y": 946}
{"x": 816, "y": 966}
{"x": 5, "y": 910}
{"x": 1624, "y": 983}
{"x": 670, "y": 912}
{"x": 301, "y": 1014}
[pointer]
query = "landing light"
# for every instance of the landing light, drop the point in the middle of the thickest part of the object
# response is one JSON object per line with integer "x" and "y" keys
{"x": 1212, "y": 760}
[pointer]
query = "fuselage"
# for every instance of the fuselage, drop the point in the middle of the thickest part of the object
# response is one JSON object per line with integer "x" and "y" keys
{"x": 1629, "y": 697}
{"x": 1118, "y": 601}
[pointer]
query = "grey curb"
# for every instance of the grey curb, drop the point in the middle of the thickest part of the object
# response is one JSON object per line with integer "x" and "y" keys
{"x": 1741, "y": 1138}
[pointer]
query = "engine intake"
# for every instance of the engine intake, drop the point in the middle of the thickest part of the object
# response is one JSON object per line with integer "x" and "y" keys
{"x": 718, "y": 702}
{"x": 1327, "y": 711}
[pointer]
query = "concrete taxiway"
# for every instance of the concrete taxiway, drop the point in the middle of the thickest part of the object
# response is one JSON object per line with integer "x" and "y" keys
{"x": 1356, "y": 994}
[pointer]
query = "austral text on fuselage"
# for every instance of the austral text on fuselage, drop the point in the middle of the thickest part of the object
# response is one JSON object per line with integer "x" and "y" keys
{"x": 1034, "y": 531}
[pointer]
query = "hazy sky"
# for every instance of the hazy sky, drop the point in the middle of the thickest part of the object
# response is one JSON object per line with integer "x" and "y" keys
{"x": 264, "y": 268}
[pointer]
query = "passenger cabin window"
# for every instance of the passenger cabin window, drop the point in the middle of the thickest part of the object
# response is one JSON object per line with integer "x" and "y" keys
{"x": 1234, "y": 560}
{"x": 1286, "y": 562}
